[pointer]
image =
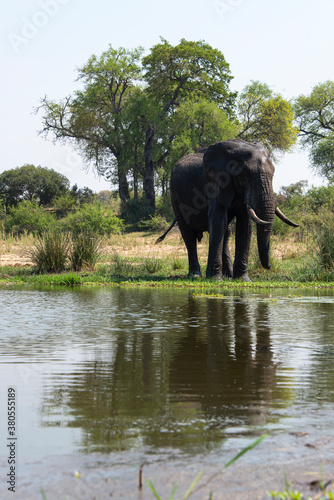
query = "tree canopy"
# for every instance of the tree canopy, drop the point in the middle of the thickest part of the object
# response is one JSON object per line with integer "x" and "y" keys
{"x": 31, "y": 183}
{"x": 266, "y": 117}
{"x": 134, "y": 116}
{"x": 315, "y": 118}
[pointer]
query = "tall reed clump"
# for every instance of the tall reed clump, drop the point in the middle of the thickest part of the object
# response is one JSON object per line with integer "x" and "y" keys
{"x": 325, "y": 243}
{"x": 320, "y": 264}
{"x": 84, "y": 249}
{"x": 55, "y": 248}
{"x": 51, "y": 251}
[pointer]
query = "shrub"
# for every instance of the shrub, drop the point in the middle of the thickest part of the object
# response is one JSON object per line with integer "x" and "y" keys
{"x": 84, "y": 250}
{"x": 93, "y": 217}
{"x": 27, "y": 216}
{"x": 50, "y": 251}
{"x": 136, "y": 210}
{"x": 155, "y": 223}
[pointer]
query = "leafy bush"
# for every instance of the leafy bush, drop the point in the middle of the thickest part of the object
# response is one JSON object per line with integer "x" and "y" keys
{"x": 84, "y": 250}
{"x": 93, "y": 217}
{"x": 64, "y": 202}
{"x": 50, "y": 252}
{"x": 155, "y": 223}
{"x": 136, "y": 210}
{"x": 29, "y": 217}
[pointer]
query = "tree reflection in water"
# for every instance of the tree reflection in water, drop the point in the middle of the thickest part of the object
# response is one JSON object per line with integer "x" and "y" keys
{"x": 204, "y": 371}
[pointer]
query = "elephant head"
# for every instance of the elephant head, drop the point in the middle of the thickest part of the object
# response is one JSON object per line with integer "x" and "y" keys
{"x": 241, "y": 175}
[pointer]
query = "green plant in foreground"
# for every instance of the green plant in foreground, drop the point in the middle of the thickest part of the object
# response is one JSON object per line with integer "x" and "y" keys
{"x": 289, "y": 494}
{"x": 193, "y": 485}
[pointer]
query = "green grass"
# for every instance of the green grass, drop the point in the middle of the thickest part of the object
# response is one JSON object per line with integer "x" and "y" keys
{"x": 111, "y": 276}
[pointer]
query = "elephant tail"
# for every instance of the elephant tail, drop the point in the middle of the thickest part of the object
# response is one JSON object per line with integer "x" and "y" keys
{"x": 161, "y": 238}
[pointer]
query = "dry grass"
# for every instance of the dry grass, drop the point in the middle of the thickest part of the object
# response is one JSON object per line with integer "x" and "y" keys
{"x": 15, "y": 251}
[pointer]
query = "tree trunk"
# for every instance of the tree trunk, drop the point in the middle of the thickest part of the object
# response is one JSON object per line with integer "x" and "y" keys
{"x": 135, "y": 174}
{"x": 148, "y": 181}
{"x": 123, "y": 187}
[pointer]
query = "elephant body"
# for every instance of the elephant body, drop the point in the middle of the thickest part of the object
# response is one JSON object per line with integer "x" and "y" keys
{"x": 227, "y": 180}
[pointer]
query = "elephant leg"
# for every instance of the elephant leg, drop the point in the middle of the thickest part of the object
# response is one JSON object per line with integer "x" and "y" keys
{"x": 227, "y": 266}
{"x": 217, "y": 246}
{"x": 243, "y": 234}
{"x": 190, "y": 239}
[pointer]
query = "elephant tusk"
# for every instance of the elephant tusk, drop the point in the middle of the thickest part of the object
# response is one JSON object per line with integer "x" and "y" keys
{"x": 255, "y": 218}
{"x": 284, "y": 218}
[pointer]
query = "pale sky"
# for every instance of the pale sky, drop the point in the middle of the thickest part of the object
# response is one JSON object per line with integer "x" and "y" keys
{"x": 288, "y": 44}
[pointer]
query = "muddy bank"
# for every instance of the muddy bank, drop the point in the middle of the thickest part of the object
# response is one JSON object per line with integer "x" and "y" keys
{"x": 303, "y": 458}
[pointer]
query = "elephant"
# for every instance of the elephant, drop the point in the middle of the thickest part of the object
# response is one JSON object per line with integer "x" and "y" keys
{"x": 227, "y": 180}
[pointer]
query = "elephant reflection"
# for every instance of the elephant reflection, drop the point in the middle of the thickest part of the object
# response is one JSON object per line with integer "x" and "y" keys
{"x": 208, "y": 366}
{"x": 222, "y": 371}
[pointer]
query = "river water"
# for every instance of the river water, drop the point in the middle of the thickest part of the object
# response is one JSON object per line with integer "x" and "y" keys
{"x": 162, "y": 372}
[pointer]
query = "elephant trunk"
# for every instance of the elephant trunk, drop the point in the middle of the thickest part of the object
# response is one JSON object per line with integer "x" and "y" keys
{"x": 263, "y": 244}
{"x": 264, "y": 214}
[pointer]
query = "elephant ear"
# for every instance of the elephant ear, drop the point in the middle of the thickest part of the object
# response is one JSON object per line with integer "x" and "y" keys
{"x": 223, "y": 164}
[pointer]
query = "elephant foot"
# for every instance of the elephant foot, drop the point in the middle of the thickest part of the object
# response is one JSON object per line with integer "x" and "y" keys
{"x": 216, "y": 277}
{"x": 196, "y": 274}
{"x": 243, "y": 277}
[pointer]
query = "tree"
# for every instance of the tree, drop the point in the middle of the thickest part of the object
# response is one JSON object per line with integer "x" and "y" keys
{"x": 315, "y": 119}
{"x": 266, "y": 117}
{"x": 175, "y": 74}
{"x": 195, "y": 124}
{"x": 119, "y": 119}
{"x": 93, "y": 118}
{"x": 29, "y": 182}
{"x": 294, "y": 190}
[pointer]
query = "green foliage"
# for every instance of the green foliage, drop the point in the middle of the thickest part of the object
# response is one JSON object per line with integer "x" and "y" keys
{"x": 84, "y": 250}
{"x": 93, "y": 217}
{"x": 197, "y": 124}
{"x": 188, "y": 70}
{"x": 314, "y": 115}
{"x": 82, "y": 195}
{"x": 29, "y": 217}
{"x": 294, "y": 190}
{"x": 155, "y": 223}
{"x": 64, "y": 202}
{"x": 118, "y": 125}
{"x": 136, "y": 210}
{"x": 30, "y": 182}
{"x": 50, "y": 253}
{"x": 266, "y": 117}
{"x": 320, "y": 197}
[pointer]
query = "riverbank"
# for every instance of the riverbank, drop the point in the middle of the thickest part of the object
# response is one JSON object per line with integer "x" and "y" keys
{"x": 133, "y": 259}
{"x": 302, "y": 461}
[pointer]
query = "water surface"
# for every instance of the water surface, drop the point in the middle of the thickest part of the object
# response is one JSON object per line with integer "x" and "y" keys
{"x": 110, "y": 370}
